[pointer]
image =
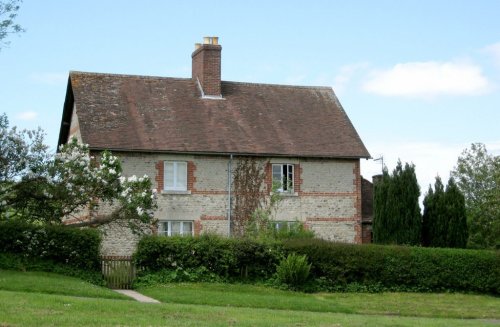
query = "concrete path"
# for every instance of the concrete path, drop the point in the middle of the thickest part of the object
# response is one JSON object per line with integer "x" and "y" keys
{"x": 137, "y": 296}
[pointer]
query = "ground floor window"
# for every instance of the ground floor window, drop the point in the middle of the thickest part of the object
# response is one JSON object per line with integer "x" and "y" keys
{"x": 285, "y": 226}
{"x": 174, "y": 227}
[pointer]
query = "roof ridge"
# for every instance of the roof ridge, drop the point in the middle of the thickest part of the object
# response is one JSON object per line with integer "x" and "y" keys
{"x": 280, "y": 85}
{"x": 71, "y": 72}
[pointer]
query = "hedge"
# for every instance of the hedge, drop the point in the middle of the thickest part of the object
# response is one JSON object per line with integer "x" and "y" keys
{"x": 226, "y": 257}
{"x": 73, "y": 247}
{"x": 334, "y": 266}
{"x": 400, "y": 268}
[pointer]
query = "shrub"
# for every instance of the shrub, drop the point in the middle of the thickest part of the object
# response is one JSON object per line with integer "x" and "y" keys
{"x": 294, "y": 270}
{"x": 200, "y": 274}
{"x": 225, "y": 257}
{"x": 77, "y": 248}
{"x": 334, "y": 266}
{"x": 16, "y": 262}
{"x": 294, "y": 230}
{"x": 398, "y": 268}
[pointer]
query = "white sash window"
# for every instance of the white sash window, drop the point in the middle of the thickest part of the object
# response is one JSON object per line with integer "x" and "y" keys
{"x": 175, "y": 176}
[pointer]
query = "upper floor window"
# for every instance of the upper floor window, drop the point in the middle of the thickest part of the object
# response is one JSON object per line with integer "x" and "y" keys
{"x": 173, "y": 228}
{"x": 175, "y": 176}
{"x": 283, "y": 177}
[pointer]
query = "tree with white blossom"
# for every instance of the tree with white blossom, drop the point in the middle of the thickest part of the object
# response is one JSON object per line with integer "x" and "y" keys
{"x": 75, "y": 188}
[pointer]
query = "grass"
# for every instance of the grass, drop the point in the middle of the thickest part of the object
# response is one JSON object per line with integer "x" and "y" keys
{"x": 50, "y": 283}
{"x": 41, "y": 299}
{"x": 445, "y": 305}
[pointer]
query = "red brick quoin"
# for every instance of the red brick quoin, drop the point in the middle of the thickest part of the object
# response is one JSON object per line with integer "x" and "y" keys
{"x": 159, "y": 176}
{"x": 357, "y": 203}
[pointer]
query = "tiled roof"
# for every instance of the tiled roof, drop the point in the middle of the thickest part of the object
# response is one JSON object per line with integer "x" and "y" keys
{"x": 139, "y": 113}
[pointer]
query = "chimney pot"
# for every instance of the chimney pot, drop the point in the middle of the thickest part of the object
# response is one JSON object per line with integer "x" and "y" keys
{"x": 197, "y": 46}
{"x": 206, "y": 40}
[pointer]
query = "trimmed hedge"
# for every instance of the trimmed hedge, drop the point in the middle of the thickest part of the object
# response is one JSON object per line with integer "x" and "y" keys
{"x": 376, "y": 267}
{"x": 76, "y": 248}
{"x": 9, "y": 261}
{"x": 334, "y": 266}
{"x": 226, "y": 257}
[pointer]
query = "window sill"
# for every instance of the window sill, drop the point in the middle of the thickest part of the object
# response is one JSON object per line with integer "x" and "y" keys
{"x": 286, "y": 194}
{"x": 168, "y": 192}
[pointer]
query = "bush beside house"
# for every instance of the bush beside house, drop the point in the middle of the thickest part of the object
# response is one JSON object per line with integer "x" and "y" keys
{"x": 334, "y": 266}
{"x": 228, "y": 258}
{"x": 56, "y": 248}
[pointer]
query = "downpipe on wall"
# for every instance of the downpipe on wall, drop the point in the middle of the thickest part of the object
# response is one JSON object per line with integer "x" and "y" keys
{"x": 229, "y": 182}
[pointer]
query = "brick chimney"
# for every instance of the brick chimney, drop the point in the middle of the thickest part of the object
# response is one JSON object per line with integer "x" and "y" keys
{"x": 207, "y": 67}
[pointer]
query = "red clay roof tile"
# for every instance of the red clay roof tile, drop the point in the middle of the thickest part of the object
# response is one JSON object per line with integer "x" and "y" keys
{"x": 140, "y": 113}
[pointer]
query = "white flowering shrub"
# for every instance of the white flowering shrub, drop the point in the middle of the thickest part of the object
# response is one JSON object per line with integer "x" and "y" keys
{"x": 76, "y": 185}
{"x": 22, "y": 153}
{"x": 33, "y": 244}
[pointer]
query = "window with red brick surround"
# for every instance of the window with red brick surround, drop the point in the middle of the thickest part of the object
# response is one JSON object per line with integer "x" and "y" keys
{"x": 189, "y": 171}
{"x": 296, "y": 172}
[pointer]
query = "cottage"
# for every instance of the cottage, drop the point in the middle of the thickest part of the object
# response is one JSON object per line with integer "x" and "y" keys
{"x": 186, "y": 132}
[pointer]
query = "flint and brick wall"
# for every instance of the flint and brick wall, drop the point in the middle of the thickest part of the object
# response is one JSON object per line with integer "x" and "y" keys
{"x": 327, "y": 196}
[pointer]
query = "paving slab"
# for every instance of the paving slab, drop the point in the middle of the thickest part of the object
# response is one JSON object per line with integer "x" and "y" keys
{"x": 137, "y": 296}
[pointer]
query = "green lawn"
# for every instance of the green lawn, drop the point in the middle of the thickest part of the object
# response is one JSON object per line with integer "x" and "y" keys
{"x": 446, "y": 305}
{"x": 49, "y": 283}
{"x": 36, "y": 299}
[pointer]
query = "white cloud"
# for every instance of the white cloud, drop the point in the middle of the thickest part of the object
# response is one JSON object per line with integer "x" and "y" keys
{"x": 345, "y": 75}
{"x": 27, "y": 115}
{"x": 494, "y": 51}
{"x": 431, "y": 159}
{"x": 493, "y": 148}
{"x": 428, "y": 80}
{"x": 49, "y": 78}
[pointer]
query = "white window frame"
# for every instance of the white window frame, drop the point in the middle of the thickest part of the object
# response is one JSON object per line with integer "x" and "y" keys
{"x": 168, "y": 232}
{"x": 286, "y": 177}
{"x": 279, "y": 225}
{"x": 176, "y": 184}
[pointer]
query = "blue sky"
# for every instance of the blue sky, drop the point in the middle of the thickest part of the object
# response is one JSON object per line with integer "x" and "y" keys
{"x": 419, "y": 79}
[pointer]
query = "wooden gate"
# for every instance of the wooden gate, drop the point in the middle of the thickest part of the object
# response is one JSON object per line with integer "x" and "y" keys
{"x": 118, "y": 271}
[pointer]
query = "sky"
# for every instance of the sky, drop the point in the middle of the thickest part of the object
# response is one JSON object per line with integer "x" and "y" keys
{"x": 420, "y": 80}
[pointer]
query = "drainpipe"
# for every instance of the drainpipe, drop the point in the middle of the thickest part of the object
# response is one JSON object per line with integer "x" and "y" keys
{"x": 229, "y": 182}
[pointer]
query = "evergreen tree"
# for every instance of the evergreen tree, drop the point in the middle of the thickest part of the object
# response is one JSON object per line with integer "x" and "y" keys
{"x": 439, "y": 218}
{"x": 457, "y": 233}
{"x": 427, "y": 221}
{"x": 397, "y": 218}
{"x": 380, "y": 228}
{"x": 444, "y": 221}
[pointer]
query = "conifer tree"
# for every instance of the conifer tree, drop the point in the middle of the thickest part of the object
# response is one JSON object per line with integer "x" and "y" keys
{"x": 397, "y": 218}
{"x": 444, "y": 222}
{"x": 439, "y": 218}
{"x": 457, "y": 233}
{"x": 381, "y": 229}
{"x": 427, "y": 221}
